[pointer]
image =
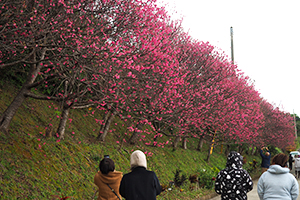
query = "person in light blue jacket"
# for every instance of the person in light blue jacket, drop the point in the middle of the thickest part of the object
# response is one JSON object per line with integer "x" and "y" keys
{"x": 277, "y": 182}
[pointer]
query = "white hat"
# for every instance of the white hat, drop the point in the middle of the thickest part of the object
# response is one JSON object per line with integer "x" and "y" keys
{"x": 138, "y": 159}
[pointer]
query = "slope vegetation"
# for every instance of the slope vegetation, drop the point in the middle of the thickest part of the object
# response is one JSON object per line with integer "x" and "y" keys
{"x": 36, "y": 165}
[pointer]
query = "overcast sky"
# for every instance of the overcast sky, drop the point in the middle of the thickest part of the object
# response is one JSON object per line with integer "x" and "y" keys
{"x": 266, "y": 40}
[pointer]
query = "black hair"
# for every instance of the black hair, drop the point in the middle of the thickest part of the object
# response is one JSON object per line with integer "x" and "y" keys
{"x": 106, "y": 165}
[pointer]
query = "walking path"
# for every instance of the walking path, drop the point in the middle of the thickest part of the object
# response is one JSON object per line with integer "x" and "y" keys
{"x": 252, "y": 195}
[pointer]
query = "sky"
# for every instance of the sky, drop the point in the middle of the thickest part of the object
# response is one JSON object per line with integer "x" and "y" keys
{"x": 266, "y": 40}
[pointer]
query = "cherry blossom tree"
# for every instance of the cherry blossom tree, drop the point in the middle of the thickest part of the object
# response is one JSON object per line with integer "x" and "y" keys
{"x": 128, "y": 59}
{"x": 83, "y": 48}
{"x": 145, "y": 66}
{"x": 44, "y": 38}
{"x": 278, "y": 129}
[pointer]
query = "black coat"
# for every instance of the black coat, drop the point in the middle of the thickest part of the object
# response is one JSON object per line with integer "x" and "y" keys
{"x": 291, "y": 160}
{"x": 140, "y": 184}
{"x": 233, "y": 182}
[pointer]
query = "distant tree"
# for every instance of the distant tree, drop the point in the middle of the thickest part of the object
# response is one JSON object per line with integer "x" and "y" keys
{"x": 278, "y": 129}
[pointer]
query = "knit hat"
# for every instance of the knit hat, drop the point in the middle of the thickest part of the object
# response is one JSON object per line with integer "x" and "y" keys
{"x": 138, "y": 159}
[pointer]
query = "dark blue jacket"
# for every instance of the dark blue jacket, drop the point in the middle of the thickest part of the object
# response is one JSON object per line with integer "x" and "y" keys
{"x": 265, "y": 159}
{"x": 140, "y": 184}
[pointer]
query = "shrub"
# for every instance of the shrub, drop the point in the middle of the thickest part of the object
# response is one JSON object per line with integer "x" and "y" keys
{"x": 193, "y": 178}
{"x": 179, "y": 180}
{"x": 206, "y": 178}
{"x": 251, "y": 166}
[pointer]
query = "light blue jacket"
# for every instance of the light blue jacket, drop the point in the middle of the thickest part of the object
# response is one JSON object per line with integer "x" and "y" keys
{"x": 277, "y": 183}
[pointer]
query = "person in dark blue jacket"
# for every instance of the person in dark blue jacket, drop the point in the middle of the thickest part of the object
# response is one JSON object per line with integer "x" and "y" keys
{"x": 140, "y": 183}
{"x": 266, "y": 158}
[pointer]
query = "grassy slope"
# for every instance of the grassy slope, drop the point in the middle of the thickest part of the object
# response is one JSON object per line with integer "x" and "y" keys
{"x": 35, "y": 167}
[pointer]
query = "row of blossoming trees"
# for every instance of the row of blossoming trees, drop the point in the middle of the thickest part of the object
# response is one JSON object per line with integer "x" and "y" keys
{"x": 128, "y": 59}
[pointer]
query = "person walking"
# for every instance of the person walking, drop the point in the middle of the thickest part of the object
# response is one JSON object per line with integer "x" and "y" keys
{"x": 291, "y": 160}
{"x": 277, "y": 182}
{"x": 266, "y": 158}
{"x": 108, "y": 180}
{"x": 140, "y": 183}
{"x": 233, "y": 182}
{"x": 297, "y": 166}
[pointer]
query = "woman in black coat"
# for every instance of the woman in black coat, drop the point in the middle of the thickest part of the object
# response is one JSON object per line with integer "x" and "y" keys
{"x": 291, "y": 160}
{"x": 140, "y": 183}
{"x": 233, "y": 182}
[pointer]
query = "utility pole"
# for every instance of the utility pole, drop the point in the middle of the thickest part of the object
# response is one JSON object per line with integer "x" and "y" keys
{"x": 295, "y": 124}
{"x": 231, "y": 34}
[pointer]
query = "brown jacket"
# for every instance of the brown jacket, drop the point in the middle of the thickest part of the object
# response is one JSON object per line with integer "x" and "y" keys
{"x": 113, "y": 179}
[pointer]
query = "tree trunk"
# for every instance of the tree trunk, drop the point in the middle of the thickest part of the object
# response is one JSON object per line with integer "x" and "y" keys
{"x": 105, "y": 127}
{"x": 227, "y": 149}
{"x": 239, "y": 149}
{"x": 208, "y": 155}
{"x": 102, "y": 125}
{"x": 10, "y": 112}
{"x": 133, "y": 138}
{"x": 62, "y": 124}
{"x": 135, "y": 134}
{"x": 200, "y": 144}
{"x": 64, "y": 116}
{"x": 176, "y": 141}
{"x": 184, "y": 143}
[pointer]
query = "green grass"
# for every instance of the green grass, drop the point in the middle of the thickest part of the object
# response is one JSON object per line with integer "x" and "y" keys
{"x": 33, "y": 166}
